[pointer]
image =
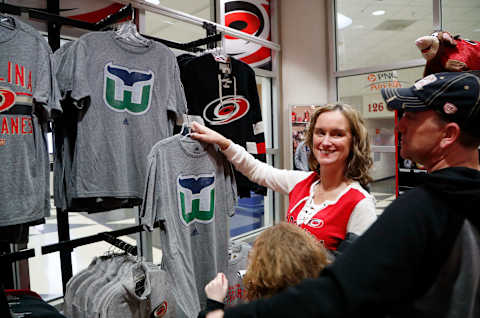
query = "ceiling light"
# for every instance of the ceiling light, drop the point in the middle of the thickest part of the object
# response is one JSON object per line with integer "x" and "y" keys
{"x": 343, "y": 21}
{"x": 154, "y": 1}
{"x": 378, "y": 12}
{"x": 476, "y": 30}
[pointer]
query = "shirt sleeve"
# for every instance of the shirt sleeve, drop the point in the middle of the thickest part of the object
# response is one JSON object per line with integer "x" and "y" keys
{"x": 80, "y": 83}
{"x": 256, "y": 146}
{"x": 42, "y": 90}
{"x": 177, "y": 102}
{"x": 231, "y": 191}
{"x": 363, "y": 215}
{"x": 149, "y": 205}
{"x": 279, "y": 180}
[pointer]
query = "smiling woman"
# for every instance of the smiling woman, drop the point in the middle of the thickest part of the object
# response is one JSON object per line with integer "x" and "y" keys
{"x": 329, "y": 202}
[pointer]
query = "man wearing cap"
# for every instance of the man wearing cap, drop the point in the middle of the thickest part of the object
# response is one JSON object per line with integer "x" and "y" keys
{"x": 421, "y": 258}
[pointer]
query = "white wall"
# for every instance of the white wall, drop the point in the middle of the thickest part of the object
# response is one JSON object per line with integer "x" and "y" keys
{"x": 304, "y": 56}
{"x": 304, "y": 59}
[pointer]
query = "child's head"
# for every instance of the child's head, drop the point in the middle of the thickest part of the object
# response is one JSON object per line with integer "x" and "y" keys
{"x": 282, "y": 256}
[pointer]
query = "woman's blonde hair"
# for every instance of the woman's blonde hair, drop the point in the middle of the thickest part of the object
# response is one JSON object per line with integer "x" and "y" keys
{"x": 359, "y": 161}
{"x": 282, "y": 256}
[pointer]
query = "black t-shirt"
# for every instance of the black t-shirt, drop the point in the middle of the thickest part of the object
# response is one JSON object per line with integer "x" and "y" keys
{"x": 236, "y": 114}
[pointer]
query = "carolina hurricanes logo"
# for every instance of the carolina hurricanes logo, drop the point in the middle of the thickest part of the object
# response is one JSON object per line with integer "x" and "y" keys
{"x": 161, "y": 310}
{"x": 7, "y": 99}
{"x": 226, "y": 110}
{"x": 252, "y": 17}
{"x": 316, "y": 223}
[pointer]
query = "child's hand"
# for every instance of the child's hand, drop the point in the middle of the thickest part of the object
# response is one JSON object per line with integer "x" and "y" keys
{"x": 217, "y": 288}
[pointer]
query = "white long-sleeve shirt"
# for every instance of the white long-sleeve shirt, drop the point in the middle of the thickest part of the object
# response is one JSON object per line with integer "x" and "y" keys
{"x": 284, "y": 182}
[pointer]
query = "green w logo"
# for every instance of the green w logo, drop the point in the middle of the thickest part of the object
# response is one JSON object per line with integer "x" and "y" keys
{"x": 127, "y": 90}
{"x": 196, "y": 197}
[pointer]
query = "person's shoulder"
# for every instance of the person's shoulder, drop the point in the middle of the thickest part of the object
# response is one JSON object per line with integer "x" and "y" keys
{"x": 357, "y": 186}
{"x": 417, "y": 203}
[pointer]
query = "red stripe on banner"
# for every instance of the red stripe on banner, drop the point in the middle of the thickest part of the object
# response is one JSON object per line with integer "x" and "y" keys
{"x": 259, "y": 55}
{"x": 27, "y": 94}
{"x": 261, "y": 149}
{"x": 98, "y": 15}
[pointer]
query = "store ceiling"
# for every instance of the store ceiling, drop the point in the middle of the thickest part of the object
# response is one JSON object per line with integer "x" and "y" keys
{"x": 174, "y": 30}
{"x": 389, "y": 38}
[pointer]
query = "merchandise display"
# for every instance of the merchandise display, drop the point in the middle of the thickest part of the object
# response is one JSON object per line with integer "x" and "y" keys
{"x": 192, "y": 188}
{"x": 225, "y": 94}
{"x": 120, "y": 284}
{"x": 27, "y": 100}
{"x": 124, "y": 98}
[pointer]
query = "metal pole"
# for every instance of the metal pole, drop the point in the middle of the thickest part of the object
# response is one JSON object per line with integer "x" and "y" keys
{"x": 188, "y": 18}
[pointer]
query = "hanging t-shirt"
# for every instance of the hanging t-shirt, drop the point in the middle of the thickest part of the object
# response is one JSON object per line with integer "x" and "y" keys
{"x": 134, "y": 93}
{"x": 26, "y": 100}
{"x": 231, "y": 106}
{"x": 191, "y": 187}
{"x": 237, "y": 265}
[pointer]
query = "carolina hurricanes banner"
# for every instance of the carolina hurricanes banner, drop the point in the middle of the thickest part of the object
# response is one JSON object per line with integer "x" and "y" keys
{"x": 252, "y": 17}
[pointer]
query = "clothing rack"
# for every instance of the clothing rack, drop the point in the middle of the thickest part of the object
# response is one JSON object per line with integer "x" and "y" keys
{"x": 188, "y": 18}
{"x": 54, "y": 23}
{"x": 102, "y": 236}
{"x": 192, "y": 46}
{"x": 11, "y": 9}
{"x": 124, "y": 246}
{"x": 17, "y": 256}
{"x": 123, "y": 13}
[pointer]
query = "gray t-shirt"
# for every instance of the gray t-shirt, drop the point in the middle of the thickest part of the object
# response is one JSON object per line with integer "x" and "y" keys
{"x": 133, "y": 91}
{"x": 237, "y": 265}
{"x": 191, "y": 187}
{"x": 156, "y": 300}
{"x": 26, "y": 100}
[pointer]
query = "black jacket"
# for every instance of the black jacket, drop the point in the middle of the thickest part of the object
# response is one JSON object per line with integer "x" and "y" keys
{"x": 421, "y": 258}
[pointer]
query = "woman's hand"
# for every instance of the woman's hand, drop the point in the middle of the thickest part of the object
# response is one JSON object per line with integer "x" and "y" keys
{"x": 205, "y": 134}
{"x": 217, "y": 288}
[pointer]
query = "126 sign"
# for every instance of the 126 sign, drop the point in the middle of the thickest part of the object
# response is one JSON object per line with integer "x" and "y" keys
{"x": 375, "y": 107}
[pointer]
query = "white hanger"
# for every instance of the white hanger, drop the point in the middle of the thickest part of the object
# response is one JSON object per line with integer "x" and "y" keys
{"x": 128, "y": 32}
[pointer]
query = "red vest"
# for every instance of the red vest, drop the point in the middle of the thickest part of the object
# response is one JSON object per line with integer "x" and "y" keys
{"x": 329, "y": 225}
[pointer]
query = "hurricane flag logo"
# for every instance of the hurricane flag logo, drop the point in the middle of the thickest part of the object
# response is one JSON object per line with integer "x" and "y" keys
{"x": 127, "y": 90}
{"x": 251, "y": 17}
{"x": 226, "y": 110}
{"x": 7, "y": 99}
{"x": 196, "y": 197}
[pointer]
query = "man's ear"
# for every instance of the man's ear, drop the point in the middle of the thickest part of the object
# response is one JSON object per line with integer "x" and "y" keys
{"x": 451, "y": 133}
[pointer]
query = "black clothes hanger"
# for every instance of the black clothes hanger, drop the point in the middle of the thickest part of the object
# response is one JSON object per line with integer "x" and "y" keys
{"x": 6, "y": 21}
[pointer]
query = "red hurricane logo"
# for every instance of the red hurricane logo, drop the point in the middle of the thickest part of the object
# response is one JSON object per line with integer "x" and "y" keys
{"x": 316, "y": 223}
{"x": 226, "y": 110}
{"x": 7, "y": 99}
{"x": 161, "y": 310}
{"x": 252, "y": 17}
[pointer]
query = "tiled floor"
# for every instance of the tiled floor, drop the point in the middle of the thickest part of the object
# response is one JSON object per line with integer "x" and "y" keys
{"x": 45, "y": 277}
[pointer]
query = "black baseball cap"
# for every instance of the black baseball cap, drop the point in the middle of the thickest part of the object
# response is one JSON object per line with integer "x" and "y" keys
{"x": 454, "y": 95}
